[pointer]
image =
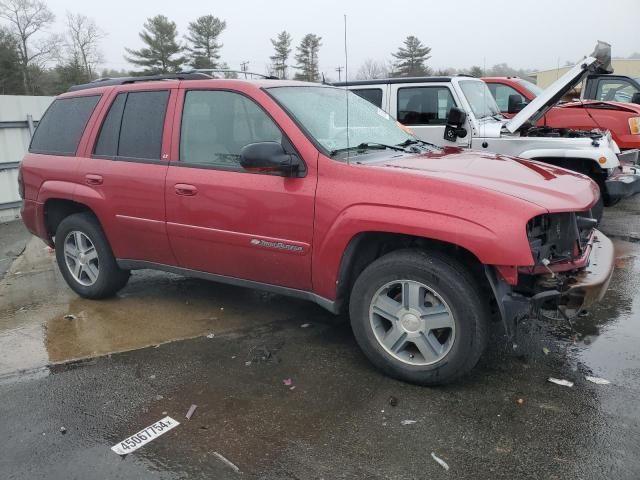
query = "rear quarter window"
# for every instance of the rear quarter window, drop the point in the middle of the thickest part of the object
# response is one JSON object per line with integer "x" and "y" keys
{"x": 61, "y": 127}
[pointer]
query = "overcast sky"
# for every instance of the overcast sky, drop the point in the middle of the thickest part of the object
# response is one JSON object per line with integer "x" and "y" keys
{"x": 533, "y": 34}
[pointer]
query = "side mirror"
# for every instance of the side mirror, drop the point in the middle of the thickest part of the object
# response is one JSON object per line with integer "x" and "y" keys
{"x": 269, "y": 157}
{"x": 515, "y": 103}
{"x": 455, "y": 125}
{"x": 635, "y": 98}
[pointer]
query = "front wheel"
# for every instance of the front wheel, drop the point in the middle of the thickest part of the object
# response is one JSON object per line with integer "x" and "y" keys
{"x": 419, "y": 317}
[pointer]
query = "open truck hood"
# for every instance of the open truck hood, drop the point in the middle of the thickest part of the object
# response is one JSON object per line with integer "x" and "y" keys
{"x": 598, "y": 62}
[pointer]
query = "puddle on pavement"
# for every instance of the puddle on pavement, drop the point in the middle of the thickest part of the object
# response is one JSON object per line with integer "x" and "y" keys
{"x": 154, "y": 308}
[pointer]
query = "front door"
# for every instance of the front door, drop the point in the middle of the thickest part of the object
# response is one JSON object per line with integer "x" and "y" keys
{"x": 225, "y": 220}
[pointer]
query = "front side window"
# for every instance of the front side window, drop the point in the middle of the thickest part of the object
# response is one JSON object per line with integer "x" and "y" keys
{"x": 133, "y": 127}
{"x": 501, "y": 93}
{"x": 424, "y": 105}
{"x": 217, "y": 124}
{"x": 374, "y": 95}
{"x": 479, "y": 97}
{"x": 62, "y": 126}
{"x": 322, "y": 112}
{"x": 615, "y": 90}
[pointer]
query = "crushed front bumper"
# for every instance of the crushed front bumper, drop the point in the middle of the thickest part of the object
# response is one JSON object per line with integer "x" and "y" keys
{"x": 591, "y": 283}
{"x": 581, "y": 287}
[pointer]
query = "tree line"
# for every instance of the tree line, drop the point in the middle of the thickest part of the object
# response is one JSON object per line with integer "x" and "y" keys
{"x": 34, "y": 61}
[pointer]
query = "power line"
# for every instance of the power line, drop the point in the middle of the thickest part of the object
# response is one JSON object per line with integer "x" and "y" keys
{"x": 339, "y": 70}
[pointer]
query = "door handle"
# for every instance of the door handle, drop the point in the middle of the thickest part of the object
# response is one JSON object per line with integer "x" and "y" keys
{"x": 93, "y": 179}
{"x": 185, "y": 189}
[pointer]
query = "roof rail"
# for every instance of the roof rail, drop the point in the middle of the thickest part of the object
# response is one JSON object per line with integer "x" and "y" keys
{"x": 107, "y": 82}
{"x": 247, "y": 75}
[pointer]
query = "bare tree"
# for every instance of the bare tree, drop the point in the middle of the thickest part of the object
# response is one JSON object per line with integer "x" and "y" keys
{"x": 372, "y": 69}
{"x": 85, "y": 37}
{"x": 28, "y": 18}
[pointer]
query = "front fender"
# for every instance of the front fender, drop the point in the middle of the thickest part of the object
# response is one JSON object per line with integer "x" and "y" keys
{"x": 591, "y": 155}
{"x": 478, "y": 239}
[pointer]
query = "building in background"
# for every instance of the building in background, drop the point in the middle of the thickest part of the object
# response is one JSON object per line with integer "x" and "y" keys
{"x": 19, "y": 115}
{"x": 621, "y": 66}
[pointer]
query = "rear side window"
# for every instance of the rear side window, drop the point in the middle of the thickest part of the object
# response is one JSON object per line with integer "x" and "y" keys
{"x": 133, "y": 127}
{"x": 374, "y": 95}
{"x": 61, "y": 128}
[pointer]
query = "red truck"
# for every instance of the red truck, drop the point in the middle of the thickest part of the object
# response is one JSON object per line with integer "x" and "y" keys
{"x": 621, "y": 119}
{"x": 262, "y": 184}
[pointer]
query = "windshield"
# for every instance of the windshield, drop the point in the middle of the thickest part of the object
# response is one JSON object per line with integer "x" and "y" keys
{"x": 479, "y": 97}
{"x": 322, "y": 111}
{"x": 532, "y": 87}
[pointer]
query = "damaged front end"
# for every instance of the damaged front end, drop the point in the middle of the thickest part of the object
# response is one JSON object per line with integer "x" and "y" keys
{"x": 573, "y": 264}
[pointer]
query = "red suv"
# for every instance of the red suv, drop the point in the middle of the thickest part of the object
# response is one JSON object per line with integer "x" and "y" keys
{"x": 621, "y": 119}
{"x": 272, "y": 184}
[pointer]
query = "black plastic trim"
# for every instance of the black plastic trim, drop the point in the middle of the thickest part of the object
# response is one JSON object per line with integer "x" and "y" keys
{"x": 330, "y": 305}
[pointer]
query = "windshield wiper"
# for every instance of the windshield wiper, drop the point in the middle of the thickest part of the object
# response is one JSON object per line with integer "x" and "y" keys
{"x": 367, "y": 146}
{"x": 414, "y": 141}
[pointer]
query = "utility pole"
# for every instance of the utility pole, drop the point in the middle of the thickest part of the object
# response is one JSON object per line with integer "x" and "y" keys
{"x": 243, "y": 67}
{"x": 339, "y": 70}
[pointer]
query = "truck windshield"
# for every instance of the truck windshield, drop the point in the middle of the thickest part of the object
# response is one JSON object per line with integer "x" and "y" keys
{"x": 479, "y": 97}
{"x": 533, "y": 88}
{"x": 322, "y": 112}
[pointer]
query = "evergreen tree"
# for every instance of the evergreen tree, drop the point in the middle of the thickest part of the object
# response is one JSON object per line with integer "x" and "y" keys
{"x": 204, "y": 49}
{"x": 282, "y": 47}
{"x": 475, "y": 71}
{"x": 411, "y": 58}
{"x": 162, "y": 51}
{"x": 307, "y": 58}
{"x": 10, "y": 68}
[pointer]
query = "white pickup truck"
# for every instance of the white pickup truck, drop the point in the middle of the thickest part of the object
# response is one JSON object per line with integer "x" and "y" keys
{"x": 460, "y": 110}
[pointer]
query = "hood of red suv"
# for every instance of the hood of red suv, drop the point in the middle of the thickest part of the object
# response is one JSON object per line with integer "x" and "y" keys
{"x": 555, "y": 189}
{"x": 620, "y": 106}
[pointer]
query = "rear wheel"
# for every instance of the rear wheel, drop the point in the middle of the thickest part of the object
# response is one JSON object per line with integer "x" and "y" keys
{"x": 419, "y": 317}
{"x": 85, "y": 258}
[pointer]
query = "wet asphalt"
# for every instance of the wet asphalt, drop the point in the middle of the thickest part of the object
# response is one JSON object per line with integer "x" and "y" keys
{"x": 78, "y": 376}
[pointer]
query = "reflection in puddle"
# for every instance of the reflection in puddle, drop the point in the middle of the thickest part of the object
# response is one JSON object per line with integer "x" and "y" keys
{"x": 154, "y": 308}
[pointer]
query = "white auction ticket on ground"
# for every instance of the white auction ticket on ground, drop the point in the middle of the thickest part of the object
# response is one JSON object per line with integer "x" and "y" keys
{"x": 144, "y": 436}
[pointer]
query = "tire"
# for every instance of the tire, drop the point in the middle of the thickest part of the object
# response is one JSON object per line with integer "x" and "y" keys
{"x": 90, "y": 270}
{"x": 597, "y": 211}
{"x": 443, "y": 287}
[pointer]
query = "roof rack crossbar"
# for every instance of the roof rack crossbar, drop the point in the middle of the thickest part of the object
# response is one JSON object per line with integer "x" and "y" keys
{"x": 245, "y": 74}
{"x": 107, "y": 82}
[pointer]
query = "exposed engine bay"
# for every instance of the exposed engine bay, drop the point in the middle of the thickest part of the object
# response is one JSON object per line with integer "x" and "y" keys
{"x": 559, "y": 133}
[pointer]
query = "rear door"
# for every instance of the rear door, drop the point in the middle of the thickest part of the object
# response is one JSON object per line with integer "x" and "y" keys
{"x": 124, "y": 170}
{"x": 228, "y": 221}
{"x": 424, "y": 109}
